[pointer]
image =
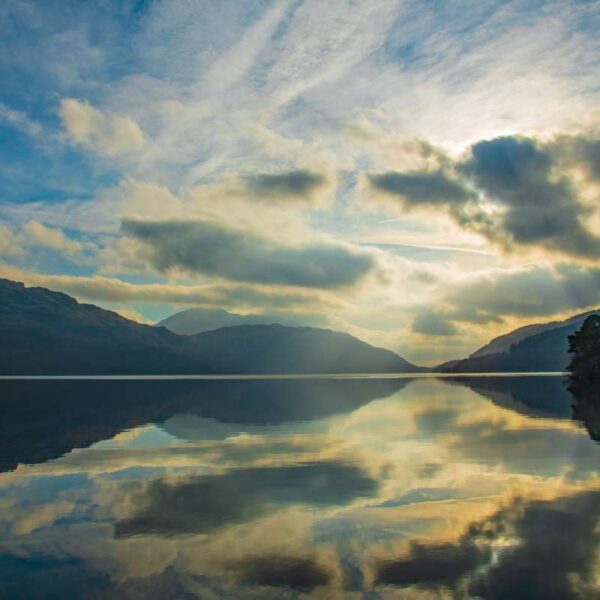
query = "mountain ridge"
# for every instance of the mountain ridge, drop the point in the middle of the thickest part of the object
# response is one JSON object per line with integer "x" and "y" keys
{"x": 546, "y": 350}
{"x": 43, "y": 332}
{"x": 197, "y": 320}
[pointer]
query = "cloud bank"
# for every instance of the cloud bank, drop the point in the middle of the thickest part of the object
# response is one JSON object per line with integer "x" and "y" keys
{"x": 212, "y": 249}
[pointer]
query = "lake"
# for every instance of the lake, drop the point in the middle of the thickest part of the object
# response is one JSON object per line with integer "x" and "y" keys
{"x": 412, "y": 488}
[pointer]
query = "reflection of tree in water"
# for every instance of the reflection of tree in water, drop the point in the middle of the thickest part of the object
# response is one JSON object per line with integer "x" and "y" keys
{"x": 586, "y": 408}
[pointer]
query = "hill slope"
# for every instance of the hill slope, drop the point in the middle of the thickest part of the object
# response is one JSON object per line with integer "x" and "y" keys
{"x": 279, "y": 349}
{"x": 503, "y": 343}
{"x": 546, "y": 349}
{"x": 45, "y": 332}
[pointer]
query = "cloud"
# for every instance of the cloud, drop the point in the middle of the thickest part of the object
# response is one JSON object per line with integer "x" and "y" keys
{"x": 429, "y": 188}
{"x": 299, "y": 184}
{"x": 10, "y": 244}
{"x": 553, "y": 554}
{"x": 541, "y": 207}
{"x": 31, "y": 518}
{"x": 19, "y": 120}
{"x": 526, "y": 292}
{"x": 38, "y": 234}
{"x": 110, "y": 290}
{"x": 513, "y": 297}
{"x": 298, "y": 572}
{"x": 205, "y": 504}
{"x": 431, "y": 323}
{"x": 431, "y": 566}
{"x": 132, "y": 314}
{"x": 557, "y": 557}
{"x": 212, "y": 249}
{"x": 579, "y": 151}
{"x": 513, "y": 190}
{"x": 112, "y": 135}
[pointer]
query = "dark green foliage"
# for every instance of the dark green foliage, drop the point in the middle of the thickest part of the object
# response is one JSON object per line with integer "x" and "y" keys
{"x": 584, "y": 347}
{"x": 584, "y": 382}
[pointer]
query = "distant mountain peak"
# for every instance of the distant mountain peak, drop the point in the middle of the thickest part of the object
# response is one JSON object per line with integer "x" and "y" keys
{"x": 536, "y": 347}
{"x": 46, "y": 332}
{"x": 198, "y": 319}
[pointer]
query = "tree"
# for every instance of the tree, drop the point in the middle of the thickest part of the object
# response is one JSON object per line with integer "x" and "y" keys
{"x": 584, "y": 346}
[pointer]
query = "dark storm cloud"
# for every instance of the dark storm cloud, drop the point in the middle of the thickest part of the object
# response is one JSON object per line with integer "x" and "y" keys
{"x": 297, "y": 184}
{"x": 590, "y": 156}
{"x": 206, "y": 504}
{"x": 530, "y": 183}
{"x": 301, "y": 573}
{"x": 541, "y": 208}
{"x": 211, "y": 249}
{"x": 555, "y": 557}
{"x": 433, "y": 565}
{"x": 580, "y": 151}
{"x": 429, "y": 188}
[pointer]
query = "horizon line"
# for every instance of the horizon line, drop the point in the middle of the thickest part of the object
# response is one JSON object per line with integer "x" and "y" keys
{"x": 284, "y": 376}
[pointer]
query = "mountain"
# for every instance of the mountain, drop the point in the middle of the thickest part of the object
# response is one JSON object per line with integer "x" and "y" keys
{"x": 540, "y": 347}
{"x": 280, "y": 349}
{"x": 46, "y": 332}
{"x": 503, "y": 343}
{"x": 197, "y": 320}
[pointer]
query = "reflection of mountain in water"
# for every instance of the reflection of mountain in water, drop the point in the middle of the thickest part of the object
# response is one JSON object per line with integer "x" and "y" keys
{"x": 541, "y": 397}
{"x": 42, "y": 420}
{"x": 587, "y": 408}
{"x": 531, "y": 396}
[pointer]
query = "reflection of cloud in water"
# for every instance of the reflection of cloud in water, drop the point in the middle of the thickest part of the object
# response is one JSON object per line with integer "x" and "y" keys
{"x": 44, "y": 577}
{"x": 545, "y": 549}
{"x": 301, "y": 573}
{"x": 525, "y": 449}
{"x": 231, "y": 502}
{"x": 207, "y": 503}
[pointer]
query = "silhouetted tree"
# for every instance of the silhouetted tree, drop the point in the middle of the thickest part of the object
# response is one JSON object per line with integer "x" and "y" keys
{"x": 584, "y": 346}
{"x": 584, "y": 381}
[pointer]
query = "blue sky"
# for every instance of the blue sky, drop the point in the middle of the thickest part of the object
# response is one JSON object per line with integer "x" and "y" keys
{"x": 424, "y": 175}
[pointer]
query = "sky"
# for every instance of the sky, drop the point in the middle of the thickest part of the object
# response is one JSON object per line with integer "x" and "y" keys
{"x": 422, "y": 175}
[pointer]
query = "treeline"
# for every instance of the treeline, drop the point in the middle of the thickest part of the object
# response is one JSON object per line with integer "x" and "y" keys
{"x": 584, "y": 380}
{"x": 584, "y": 347}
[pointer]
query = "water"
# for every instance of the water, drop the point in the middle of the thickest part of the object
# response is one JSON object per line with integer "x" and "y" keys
{"x": 484, "y": 487}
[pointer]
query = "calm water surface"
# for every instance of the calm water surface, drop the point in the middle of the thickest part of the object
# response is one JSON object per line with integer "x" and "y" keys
{"x": 347, "y": 488}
